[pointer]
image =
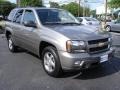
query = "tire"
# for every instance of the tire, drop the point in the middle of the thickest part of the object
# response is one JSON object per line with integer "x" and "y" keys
{"x": 108, "y": 28}
{"x": 51, "y": 62}
{"x": 11, "y": 45}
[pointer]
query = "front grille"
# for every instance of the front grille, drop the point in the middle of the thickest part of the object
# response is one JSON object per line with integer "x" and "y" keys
{"x": 97, "y": 41}
{"x": 96, "y": 46}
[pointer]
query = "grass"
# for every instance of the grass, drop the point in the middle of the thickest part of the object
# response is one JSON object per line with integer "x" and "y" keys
{"x": 2, "y": 25}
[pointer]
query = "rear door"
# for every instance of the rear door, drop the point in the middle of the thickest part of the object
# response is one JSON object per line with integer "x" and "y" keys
{"x": 16, "y": 26}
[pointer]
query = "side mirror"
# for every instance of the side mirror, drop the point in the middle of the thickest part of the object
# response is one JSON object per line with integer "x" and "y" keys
{"x": 30, "y": 24}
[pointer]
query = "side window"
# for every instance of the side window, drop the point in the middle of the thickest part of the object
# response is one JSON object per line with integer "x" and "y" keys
{"x": 18, "y": 16}
{"x": 29, "y": 16}
{"x": 118, "y": 21}
{"x": 80, "y": 19}
{"x": 11, "y": 15}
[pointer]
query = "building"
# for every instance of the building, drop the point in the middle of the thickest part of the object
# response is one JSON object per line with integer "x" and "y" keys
{"x": 100, "y": 10}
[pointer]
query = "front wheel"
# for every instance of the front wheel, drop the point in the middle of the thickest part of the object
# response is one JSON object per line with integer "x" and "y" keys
{"x": 51, "y": 62}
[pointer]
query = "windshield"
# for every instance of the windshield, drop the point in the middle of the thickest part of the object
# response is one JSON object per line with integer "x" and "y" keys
{"x": 48, "y": 16}
{"x": 90, "y": 19}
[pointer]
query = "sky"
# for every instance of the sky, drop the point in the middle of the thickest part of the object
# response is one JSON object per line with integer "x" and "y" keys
{"x": 91, "y": 3}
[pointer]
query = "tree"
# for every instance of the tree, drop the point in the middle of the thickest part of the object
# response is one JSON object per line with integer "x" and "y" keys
{"x": 6, "y": 7}
{"x": 33, "y": 3}
{"x": 73, "y": 8}
{"x": 114, "y": 3}
{"x": 54, "y": 5}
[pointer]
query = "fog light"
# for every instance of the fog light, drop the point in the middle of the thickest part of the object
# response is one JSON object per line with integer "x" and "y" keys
{"x": 81, "y": 63}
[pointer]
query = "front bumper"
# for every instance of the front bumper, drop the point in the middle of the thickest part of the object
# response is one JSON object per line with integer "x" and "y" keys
{"x": 69, "y": 60}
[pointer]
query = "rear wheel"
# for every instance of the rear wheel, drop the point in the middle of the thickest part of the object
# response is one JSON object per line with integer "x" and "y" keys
{"x": 11, "y": 45}
{"x": 51, "y": 62}
{"x": 108, "y": 28}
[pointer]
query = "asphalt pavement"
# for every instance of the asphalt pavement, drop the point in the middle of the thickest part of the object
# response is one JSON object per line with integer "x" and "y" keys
{"x": 23, "y": 71}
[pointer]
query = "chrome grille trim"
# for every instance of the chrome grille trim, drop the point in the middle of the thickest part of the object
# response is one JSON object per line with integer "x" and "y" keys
{"x": 96, "y": 46}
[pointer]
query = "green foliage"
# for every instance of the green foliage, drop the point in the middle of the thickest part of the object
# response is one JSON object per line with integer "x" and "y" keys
{"x": 33, "y": 3}
{"x": 54, "y": 5}
{"x": 73, "y": 8}
{"x": 6, "y": 7}
{"x": 114, "y": 3}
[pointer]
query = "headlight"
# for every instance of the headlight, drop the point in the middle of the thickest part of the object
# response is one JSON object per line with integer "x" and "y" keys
{"x": 75, "y": 46}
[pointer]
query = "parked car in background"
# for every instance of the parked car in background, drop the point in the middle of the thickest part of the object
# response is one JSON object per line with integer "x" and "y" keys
{"x": 113, "y": 26}
{"x": 88, "y": 21}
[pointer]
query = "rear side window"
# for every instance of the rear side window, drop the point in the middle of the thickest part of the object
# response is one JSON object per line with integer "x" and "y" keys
{"x": 80, "y": 19}
{"x": 18, "y": 16}
{"x": 11, "y": 15}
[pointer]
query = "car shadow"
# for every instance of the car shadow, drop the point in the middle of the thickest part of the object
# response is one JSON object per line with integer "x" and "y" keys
{"x": 105, "y": 69}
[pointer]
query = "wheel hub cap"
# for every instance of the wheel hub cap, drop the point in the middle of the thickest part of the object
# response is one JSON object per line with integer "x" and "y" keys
{"x": 49, "y": 62}
{"x": 10, "y": 44}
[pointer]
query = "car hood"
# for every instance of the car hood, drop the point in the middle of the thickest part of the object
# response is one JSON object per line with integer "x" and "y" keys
{"x": 78, "y": 32}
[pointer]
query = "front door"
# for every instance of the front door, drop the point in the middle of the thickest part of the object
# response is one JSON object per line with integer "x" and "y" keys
{"x": 30, "y": 34}
{"x": 116, "y": 26}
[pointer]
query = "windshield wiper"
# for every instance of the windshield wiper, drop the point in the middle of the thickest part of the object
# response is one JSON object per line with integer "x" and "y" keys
{"x": 73, "y": 23}
{"x": 52, "y": 23}
{"x": 62, "y": 23}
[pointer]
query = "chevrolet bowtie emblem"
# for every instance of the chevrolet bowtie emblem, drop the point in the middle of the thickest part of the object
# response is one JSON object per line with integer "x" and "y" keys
{"x": 101, "y": 44}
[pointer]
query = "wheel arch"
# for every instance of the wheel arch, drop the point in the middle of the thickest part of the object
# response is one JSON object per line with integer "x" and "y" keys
{"x": 7, "y": 34}
{"x": 42, "y": 45}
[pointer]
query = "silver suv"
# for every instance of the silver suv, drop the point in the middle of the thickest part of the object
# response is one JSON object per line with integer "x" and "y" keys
{"x": 57, "y": 37}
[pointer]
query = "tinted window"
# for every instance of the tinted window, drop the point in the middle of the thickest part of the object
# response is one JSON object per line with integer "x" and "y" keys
{"x": 18, "y": 16}
{"x": 90, "y": 19}
{"x": 80, "y": 19}
{"x": 29, "y": 16}
{"x": 48, "y": 16}
{"x": 118, "y": 21}
{"x": 11, "y": 15}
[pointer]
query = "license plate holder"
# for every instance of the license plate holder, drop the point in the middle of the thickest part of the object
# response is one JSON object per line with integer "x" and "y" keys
{"x": 103, "y": 58}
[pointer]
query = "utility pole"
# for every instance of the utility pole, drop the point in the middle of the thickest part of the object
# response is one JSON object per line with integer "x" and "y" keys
{"x": 18, "y": 3}
{"x": 84, "y": 7}
{"x": 105, "y": 11}
{"x": 79, "y": 8}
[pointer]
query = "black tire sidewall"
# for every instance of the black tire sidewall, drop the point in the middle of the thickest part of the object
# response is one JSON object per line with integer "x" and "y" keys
{"x": 58, "y": 69}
